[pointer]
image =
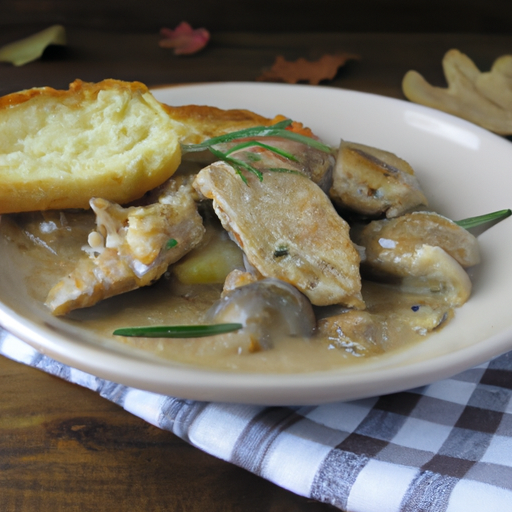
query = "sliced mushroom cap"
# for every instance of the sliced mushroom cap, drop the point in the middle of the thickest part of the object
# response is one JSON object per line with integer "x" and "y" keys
{"x": 367, "y": 333}
{"x": 426, "y": 270}
{"x": 268, "y": 310}
{"x": 373, "y": 182}
{"x": 408, "y": 232}
{"x": 356, "y": 332}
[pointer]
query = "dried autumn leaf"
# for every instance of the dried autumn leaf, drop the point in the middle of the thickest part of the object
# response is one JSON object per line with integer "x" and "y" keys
{"x": 184, "y": 39}
{"x": 32, "y": 47}
{"x": 303, "y": 70}
{"x": 482, "y": 98}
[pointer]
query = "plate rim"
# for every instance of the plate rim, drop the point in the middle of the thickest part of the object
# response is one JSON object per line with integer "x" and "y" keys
{"x": 256, "y": 391}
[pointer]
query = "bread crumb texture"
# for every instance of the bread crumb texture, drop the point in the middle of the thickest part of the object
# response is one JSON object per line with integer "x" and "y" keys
{"x": 58, "y": 149}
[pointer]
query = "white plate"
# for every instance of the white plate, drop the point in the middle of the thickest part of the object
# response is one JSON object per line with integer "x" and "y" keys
{"x": 464, "y": 170}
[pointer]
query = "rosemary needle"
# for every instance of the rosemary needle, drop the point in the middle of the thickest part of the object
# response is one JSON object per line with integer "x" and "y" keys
{"x": 472, "y": 222}
{"x": 178, "y": 331}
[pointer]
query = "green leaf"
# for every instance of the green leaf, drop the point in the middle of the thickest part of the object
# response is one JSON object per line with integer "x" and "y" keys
{"x": 171, "y": 243}
{"x": 32, "y": 47}
{"x": 472, "y": 222}
{"x": 178, "y": 331}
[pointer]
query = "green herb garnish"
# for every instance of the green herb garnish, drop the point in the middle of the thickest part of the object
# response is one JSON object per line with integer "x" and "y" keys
{"x": 273, "y": 149}
{"x": 473, "y": 222}
{"x": 275, "y": 130}
{"x": 171, "y": 243}
{"x": 178, "y": 331}
{"x": 237, "y": 164}
{"x": 280, "y": 252}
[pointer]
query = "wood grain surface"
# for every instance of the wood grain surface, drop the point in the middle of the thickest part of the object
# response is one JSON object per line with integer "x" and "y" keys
{"x": 63, "y": 448}
{"x": 477, "y": 16}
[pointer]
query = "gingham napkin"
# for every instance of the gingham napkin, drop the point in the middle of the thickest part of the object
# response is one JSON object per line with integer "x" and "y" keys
{"x": 443, "y": 447}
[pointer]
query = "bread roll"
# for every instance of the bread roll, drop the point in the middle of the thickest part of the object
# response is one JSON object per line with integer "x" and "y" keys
{"x": 60, "y": 148}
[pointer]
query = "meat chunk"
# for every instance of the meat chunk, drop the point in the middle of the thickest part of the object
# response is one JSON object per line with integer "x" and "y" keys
{"x": 373, "y": 182}
{"x": 132, "y": 247}
{"x": 288, "y": 229}
{"x": 316, "y": 164}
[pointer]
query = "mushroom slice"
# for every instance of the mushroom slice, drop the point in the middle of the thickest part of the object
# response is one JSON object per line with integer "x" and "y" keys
{"x": 132, "y": 247}
{"x": 372, "y": 332}
{"x": 288, "y": 229}
{"x": 268, "y": 309}
{"x": 373, "y": 182}
{"x": 432, "y": 270}
{"x": 408, "y": 232}
{"x": 424, "y": 252}
{"x": 482, "y": 98}
{"x": 356, "y": 332}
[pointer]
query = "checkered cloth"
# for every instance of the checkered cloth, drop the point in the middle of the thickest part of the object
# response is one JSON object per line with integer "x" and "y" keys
{"x": 443, "y": 447}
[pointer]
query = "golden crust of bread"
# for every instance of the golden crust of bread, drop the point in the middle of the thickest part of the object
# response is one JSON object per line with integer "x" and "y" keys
{"x": 196, "y": 123}
{"x": 59, "y": 148}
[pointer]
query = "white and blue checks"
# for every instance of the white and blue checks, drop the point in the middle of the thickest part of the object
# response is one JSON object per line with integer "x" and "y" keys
{"x": 446, "y": 447}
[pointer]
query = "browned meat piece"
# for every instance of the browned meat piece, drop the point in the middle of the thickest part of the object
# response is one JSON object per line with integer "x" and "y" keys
{"x": 373, "y": 182}
{"x": 288, "y": 229}
{"x": 132, "y": 247}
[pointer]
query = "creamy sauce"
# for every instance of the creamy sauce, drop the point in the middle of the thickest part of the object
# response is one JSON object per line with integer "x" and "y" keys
{"x": 49, "y": 243}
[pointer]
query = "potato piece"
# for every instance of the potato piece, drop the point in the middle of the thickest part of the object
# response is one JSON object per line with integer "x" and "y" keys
{"x": 58, "y": 149}
{"x": 210, "y": 263}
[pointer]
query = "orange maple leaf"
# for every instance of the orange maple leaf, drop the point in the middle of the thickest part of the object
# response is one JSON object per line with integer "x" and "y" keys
{"x": 303, "y": 70}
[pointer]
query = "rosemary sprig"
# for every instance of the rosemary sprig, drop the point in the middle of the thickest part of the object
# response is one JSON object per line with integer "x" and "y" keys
{"x": 275, "y": 130}
{"x": 273, "y": 149}
{"x": 472, "y": 222}
{"x": 255, "y": 131}
{"x": 237, "y": 164}
{"x": 178, "y": 331}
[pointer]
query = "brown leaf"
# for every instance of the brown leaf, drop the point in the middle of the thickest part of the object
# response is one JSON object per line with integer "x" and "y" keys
{"x": 303, "y": 70}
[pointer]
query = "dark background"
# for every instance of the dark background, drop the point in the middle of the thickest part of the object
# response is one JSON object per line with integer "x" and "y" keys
{"x": 490, "y": 16}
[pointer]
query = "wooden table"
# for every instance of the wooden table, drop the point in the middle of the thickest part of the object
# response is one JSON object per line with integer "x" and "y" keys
{"x": 63, "y": 448}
